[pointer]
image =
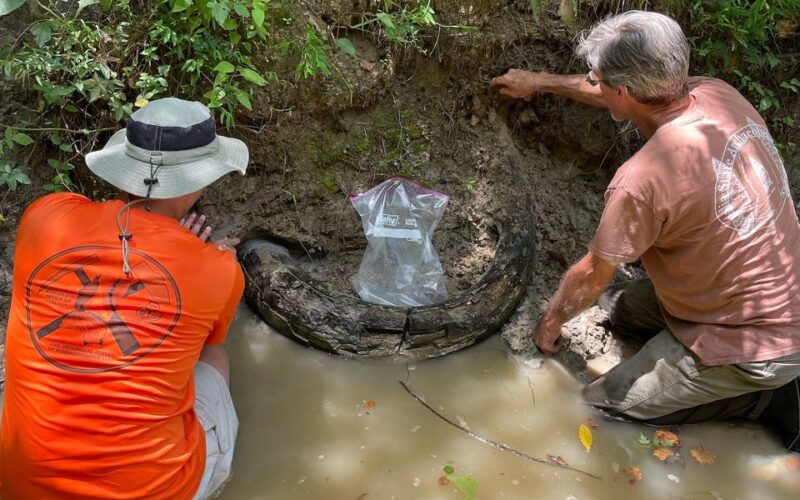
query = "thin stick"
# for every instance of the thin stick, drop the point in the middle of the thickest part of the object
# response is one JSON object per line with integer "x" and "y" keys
{"x": 495, "y": 444}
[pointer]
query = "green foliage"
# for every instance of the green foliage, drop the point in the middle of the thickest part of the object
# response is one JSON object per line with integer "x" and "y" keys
{"x": 400, "y": 23}
{"x": 536, "y": 7}
{"x": 737, "y": 40}
{"x": 87, "y": 76}
{"x": 9, "y": 6}
{"x": 11, "y": 176}
{"x": 467, "y": 485}
{"x": 313, "y": 57}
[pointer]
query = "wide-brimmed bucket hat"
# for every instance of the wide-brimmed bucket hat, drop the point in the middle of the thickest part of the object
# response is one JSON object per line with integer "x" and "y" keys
{"x": 168, "y": 149}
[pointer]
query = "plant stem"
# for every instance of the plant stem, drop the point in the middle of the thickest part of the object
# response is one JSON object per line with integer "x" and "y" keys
{"x": 495, "y": 444}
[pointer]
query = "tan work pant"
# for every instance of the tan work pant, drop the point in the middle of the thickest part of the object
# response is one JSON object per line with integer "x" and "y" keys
{"x": 665, "y": 383}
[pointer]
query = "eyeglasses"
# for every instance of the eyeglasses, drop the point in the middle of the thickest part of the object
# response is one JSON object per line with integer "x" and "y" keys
{"x": 594, "y": 83}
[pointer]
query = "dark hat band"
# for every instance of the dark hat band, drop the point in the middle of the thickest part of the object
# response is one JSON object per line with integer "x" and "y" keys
{"x": 158, "y": 138}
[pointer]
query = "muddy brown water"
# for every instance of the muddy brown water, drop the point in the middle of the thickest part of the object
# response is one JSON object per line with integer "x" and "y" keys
{"x": 306, "y": 431}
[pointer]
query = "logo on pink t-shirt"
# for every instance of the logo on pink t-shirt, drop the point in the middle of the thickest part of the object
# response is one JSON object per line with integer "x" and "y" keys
{"x": 752, "y": 188}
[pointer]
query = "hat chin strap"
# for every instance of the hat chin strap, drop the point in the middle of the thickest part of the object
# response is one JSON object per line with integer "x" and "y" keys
{"x": 124, "y": 234}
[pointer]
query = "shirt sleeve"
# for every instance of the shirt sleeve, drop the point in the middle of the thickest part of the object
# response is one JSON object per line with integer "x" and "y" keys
{"x": 220, "y": 330}
{"x": 628, "y": 227}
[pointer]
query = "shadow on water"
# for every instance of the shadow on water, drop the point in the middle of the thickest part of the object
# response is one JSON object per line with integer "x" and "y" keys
{"x": 305, "y": 432}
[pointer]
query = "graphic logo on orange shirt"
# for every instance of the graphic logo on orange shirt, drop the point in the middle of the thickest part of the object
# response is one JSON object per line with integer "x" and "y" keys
{"x": 85, "y": 315}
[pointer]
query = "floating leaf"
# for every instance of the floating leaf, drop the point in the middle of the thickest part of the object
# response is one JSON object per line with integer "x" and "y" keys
{"x": 703, "y": 456}
{"x": 369, "y": 404}
{"x": 643, "y": 440}
{"x": 592, "y": 423}
{"x": 448, "y": 469}
{"x": 663, "y": 453}
{"x": 466, "y": 484}
{"x": 443, "y": 481}
{"x": 634, "y": 472}
{"x": 793, "y": 462}
{"x": 666, "y": 438}
{"x": 141, "y": 102}
{"x": 554, "y": 460}
{"x": 585, "y": 435}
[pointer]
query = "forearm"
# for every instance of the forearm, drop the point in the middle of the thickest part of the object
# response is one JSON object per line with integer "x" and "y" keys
{"x": 572, "y": 86}
{"x": 581, "y": 286}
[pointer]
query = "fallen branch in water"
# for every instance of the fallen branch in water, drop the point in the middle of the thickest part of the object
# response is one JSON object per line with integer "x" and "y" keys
{"x": 554, "y": 462}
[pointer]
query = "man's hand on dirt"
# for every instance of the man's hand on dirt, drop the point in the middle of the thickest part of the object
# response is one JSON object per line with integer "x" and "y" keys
{"x": 547, "y": 334}
{"x": 516, "y": 84}
{"x": 194, "y": 223}
{"x": 228, "y": 244}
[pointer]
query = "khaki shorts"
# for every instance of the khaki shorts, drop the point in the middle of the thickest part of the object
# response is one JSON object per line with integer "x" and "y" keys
{"x": 665, "y": 383}
{"x": 214, "y": 408}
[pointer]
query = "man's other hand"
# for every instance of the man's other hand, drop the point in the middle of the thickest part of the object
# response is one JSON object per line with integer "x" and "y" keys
{"x": 547, "y": 334}
{"x": 517, "y": 84}
{"x": 194, "y": 223}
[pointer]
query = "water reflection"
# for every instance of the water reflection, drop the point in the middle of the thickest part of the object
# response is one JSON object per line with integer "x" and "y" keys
{"x": 306, "y": 431}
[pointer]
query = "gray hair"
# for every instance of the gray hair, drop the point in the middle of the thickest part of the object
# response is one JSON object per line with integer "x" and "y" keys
{"x": 646, "y": 52}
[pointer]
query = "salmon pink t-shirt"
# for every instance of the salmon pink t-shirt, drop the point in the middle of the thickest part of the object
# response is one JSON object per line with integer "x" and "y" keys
{"x": 99, "y": 391}
{"x": 706, "y": 206}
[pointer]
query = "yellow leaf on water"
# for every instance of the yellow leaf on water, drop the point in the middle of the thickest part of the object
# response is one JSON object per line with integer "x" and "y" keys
{"x": 634, "y": 472}
{"x": 585, "y": 435}
{"x": 663, "y": 453}
{"x": 703, "y": 456}
{"x": 141, "y": 102}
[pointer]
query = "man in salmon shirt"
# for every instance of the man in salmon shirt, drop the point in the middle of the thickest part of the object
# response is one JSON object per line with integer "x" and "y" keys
{"x": 705, "y": 205}
{"x": 117, "y": 382}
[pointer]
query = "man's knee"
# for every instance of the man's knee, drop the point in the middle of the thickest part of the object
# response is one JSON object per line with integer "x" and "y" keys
{"x": 632, "y": 307}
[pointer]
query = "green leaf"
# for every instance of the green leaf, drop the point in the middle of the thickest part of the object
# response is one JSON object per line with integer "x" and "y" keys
{"x": 22, "y": 139}
{"x": 258, "y": 17}
{"x": 643, "y": 440}
{"x": 229, "y": 24}
{"x": 241, "y": 10}
{"x": 448, "y": 469}
{"x": 180, "y": 5}
{"x": 42, "y": 33}
{"x": 346, "y": 46}
{"x": 224, "y": 67}
{"x": 244, "y": 99}
{"x": 235, "y": 37}
{"x": 82, "y": 4}
{"x": 105, "y": 5}
{"x": 220, "y": 11}
{"x": 21, "y": 177}
{"x": 466, "y": 484}
{"x": 8, "y": 6}
{"x": 252, "y": 77}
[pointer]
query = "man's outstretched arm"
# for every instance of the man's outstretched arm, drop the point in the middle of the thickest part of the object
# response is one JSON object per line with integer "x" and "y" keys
{"x": 580, "y": 287}
{"x": 518, "y": 84}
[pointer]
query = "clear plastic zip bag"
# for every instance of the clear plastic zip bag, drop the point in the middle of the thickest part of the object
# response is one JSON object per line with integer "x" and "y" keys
{"x": 400, "y": 266}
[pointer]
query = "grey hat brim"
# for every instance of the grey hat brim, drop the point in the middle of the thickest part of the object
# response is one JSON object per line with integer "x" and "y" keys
{"x": 126, "y": 173}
